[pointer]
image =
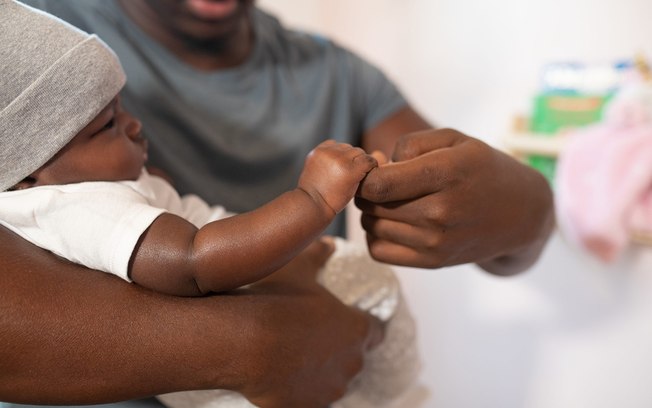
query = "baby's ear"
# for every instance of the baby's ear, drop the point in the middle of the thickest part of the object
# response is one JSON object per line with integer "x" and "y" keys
{"x": 27, "y": 182}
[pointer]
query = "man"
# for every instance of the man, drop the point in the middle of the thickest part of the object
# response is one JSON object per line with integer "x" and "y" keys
{"x": 231, "y": 102}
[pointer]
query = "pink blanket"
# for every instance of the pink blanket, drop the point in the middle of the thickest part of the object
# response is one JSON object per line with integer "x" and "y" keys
{"x": 604, "y": 177}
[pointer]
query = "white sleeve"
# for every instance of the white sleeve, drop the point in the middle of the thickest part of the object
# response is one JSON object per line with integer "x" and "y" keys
{"x": 189, "y": 207}
{"x": 95, "y": 224}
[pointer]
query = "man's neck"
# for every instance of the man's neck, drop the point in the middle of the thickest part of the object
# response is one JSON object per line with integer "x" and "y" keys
{"x": 208, "y": 55}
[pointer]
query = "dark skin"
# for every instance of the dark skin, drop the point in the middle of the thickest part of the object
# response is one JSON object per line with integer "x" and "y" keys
{"x": 149, "y": 343}
{"x": 466, "y": 202}
{"x": 205, "y": 43}
{"x": 175, "y": 257}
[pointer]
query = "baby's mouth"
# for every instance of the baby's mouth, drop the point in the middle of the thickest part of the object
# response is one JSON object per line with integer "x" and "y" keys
{"x": 140, "y": 140}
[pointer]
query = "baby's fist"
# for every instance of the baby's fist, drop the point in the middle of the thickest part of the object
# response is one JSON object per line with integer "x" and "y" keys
{"x": 333, "y": 172}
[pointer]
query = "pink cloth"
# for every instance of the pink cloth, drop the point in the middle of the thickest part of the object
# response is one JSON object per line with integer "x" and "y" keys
{"x": 604, "y": 177}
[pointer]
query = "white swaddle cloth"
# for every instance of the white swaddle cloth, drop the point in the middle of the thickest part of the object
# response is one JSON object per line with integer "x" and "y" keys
{"x": 390, "y": 372}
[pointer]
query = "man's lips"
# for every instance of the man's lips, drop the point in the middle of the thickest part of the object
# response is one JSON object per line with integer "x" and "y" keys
{"x": 212, "y": 9}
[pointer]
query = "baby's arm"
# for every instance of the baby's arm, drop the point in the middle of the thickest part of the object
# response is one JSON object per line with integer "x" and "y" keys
{"x": 174, "y": 257}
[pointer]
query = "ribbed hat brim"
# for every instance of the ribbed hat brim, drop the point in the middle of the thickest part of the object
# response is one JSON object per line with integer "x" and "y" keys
{"x": 55, "y": 107}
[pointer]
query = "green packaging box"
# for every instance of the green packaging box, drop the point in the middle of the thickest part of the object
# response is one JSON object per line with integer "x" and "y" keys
{"x": 554, "y": 112}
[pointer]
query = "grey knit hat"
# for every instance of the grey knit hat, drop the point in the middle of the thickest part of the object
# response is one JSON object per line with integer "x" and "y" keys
{"x": 54, "y": 80}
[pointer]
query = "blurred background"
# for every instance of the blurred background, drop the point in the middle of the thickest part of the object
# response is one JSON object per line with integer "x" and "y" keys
{"x": 572, "y": 331}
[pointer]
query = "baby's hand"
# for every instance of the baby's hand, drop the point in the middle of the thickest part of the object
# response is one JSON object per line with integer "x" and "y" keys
{"x": 333, "y": 172}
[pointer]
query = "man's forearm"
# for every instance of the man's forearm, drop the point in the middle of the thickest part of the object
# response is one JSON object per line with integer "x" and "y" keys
{"x": 71, "y": 335}
{"x": 542, "y": 224}
{"x": 508, "y": 265}
{"x": 75, "y": 336}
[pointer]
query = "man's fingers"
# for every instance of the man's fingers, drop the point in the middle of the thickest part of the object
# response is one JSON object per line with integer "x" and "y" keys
{"x": 397, "y": 211}
{"x": 415, "y": 144}
{"x": 427, "y": 165}
{"x": 403, "y": 180}
{"x": 398, "y": 243}
{"x": 398, "y": 231}
{"x": 392, "y": 253}
{"x": 423, "y": 163}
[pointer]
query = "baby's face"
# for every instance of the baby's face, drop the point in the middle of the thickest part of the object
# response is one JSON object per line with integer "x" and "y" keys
{"x": 109, "y": 148}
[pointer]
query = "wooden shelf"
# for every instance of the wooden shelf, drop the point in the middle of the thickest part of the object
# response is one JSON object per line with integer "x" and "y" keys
{"x": 521, "y": 144}
{"x": 642, "y": 238}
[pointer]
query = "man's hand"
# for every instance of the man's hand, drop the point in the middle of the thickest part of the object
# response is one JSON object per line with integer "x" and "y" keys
{"x": 310, "y": 345}
{"x": 75, "y": 336}
{"x": 449, "y": 199}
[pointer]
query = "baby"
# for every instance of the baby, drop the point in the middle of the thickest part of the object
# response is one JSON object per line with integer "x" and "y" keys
{"x": 73, "y": 181}
{"x": 73, "y": 162}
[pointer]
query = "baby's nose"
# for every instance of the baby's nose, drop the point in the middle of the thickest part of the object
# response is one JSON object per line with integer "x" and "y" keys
{"x": 133, "y": 128}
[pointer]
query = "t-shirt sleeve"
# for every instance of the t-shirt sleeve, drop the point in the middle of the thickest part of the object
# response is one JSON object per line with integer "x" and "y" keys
{"x": 62, "y": 9}
{"x": 40, "y": 4}
{"x": 97, "y": 226}
{"x": 189, "y": 207}
{"x": 376, "y": 97}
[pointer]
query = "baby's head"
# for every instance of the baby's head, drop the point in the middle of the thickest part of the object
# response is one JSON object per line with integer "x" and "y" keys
{"x": 60, "y": 117}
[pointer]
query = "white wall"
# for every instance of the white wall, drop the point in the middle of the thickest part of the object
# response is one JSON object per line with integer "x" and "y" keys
{"x": 571, "y": 332}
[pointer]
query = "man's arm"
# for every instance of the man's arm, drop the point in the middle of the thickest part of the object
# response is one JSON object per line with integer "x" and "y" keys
{"x": 464, "y": 202}
{"x": 74, "y": 336}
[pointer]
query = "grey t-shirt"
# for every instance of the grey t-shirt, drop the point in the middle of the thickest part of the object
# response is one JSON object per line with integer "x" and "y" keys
{"x": 238, "y": 137}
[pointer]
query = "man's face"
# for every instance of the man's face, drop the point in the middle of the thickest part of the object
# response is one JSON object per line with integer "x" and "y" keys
{"x": 202, "y": 20}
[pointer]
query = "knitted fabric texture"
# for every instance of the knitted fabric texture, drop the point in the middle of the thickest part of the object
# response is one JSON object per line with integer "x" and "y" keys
{"x": 54, "y": 80}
